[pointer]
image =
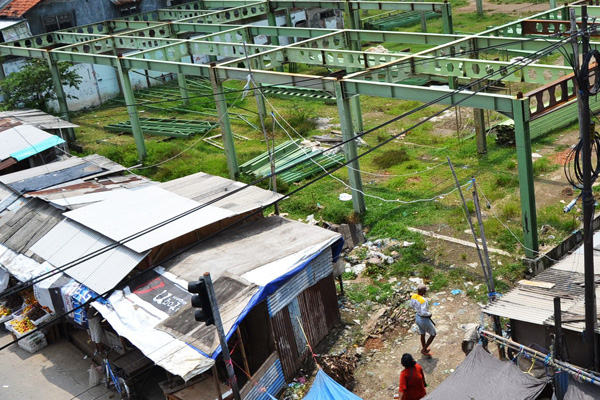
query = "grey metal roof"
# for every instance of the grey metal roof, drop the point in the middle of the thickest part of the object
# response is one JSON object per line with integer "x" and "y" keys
{"x": 37, "y": 118}
{"x": 132, "y": 212}
{"x": 28, "y": 224}
{"x": 20, "y": 137}
{"x": 69, "y": 241}
{"x": 248, "y": 247}
{"x": 50, "y": 179}
{"x": 202, "y": 188}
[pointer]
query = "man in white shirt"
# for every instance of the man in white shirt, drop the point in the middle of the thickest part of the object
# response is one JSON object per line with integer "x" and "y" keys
{"x": 423, "y": 318}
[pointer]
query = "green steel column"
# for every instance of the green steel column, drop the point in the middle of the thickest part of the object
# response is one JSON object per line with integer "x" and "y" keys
{"x": 183, "y": 87}
{"x": 479, "y": 5}
{"x": 350, "y": 149}
{"x": 226, "y": 133}
{"x": 272, "y": 22}
{"x": 423, "y": 22}
{"x": 132, "y": 110}
{"x": 61, "y": 98}
{"x": 479, "y": 121}
{"x": 447, "y": 25}
{"x": 552, "y": 4}
{"x": 526, "y": 185}
{"x": 356, "y": 46}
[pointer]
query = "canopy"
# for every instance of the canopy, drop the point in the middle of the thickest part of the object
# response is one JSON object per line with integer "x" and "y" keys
{"x": 325, "y": 388}
{"x": 495, "y": 380}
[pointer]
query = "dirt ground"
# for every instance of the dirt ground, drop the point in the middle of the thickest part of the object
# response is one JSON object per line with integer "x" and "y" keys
{"x": 510, "y": 8}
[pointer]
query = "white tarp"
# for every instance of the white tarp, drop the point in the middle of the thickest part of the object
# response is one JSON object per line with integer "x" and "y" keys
{"x": 4, "y": 278}
{"x": 41, "y": 289}
{"x": 21, "y": 267}
{"x": 136, "y": 319}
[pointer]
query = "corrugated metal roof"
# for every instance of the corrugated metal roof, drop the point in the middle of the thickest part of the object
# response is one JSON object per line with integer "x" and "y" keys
{"x": 8, "y": 23}
{"x": 536, "y": 304}
{"x": 80, "y": 194}
{"x": 202, "y": 188}
{"x": 28, "y": 224}
{"x": 19, "y": 141}
{"x": 249, "y": 247}
{"x": 107, "y": 166}
{"x": 17, "y": 8}
{"x": 50, "y": 179}
{"x": 135, "y": 211}
{"x": 37, "y": 118}
{"x": 577, "y": 311}
{"x": 69, "y": 241}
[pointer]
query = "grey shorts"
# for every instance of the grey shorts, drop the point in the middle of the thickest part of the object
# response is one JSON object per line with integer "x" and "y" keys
{"x": 425, "y": 325}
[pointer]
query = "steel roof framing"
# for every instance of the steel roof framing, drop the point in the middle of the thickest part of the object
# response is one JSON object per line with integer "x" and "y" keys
{"x": 165, "y": 39}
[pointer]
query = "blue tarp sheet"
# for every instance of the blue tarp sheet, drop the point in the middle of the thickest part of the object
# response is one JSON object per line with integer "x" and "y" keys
{"x": 325, "y": 388}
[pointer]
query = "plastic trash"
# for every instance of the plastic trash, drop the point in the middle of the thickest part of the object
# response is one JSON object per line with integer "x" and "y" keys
{"x": 345, "y": 197}
{"x": 456, "y": 291}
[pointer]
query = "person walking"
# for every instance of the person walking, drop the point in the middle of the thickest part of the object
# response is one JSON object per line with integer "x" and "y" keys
{"x": 423, "y": 318}
{"x": 412, "y": 379}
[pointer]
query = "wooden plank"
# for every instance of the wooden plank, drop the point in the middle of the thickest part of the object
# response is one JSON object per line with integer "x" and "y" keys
{"x": 539, "y": 284}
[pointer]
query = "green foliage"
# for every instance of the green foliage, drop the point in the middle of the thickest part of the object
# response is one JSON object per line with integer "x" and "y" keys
{"x": 349, "y": 276}
{"x": 301, "y": 120}
{"x": 390, "y": 158}
{"x": 378, "y": 292}
{"x": 438, "y": 282}
{"x": 543, "y": 165}
{"x": 506, "y": 180}
{"x": 32, "y": 87}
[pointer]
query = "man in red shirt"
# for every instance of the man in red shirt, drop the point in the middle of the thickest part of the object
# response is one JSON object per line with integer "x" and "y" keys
{"x": 412, "y": 379}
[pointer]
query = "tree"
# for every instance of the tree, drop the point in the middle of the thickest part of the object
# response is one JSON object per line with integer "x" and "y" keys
{"x": 31, "y": 87}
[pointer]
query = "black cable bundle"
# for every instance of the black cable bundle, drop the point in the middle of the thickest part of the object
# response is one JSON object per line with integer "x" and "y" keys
{"x": 574, "y": 163}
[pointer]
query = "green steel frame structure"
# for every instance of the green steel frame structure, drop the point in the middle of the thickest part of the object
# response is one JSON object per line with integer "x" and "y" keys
{"x": 164, "y": 40}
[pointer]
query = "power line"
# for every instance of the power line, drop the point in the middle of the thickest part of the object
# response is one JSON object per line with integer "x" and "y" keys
{"x": 519, "y": 65}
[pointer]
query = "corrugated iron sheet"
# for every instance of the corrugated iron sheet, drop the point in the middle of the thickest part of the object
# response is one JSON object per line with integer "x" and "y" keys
{"x": 273, "y": 381}
{"x": 330, "y": 302}
{"x": 313, "y": 315}
{"x": 137, "y": 211}
{"x": 285, "y": 341}
{"x": 47, "y": 180}
{"x": 37, "y": 118}
{"x": 320, "y": 267}
{"x": 69, "y": 241}
{"x": 202, "y": 188}
{"x": 28, "y": 224}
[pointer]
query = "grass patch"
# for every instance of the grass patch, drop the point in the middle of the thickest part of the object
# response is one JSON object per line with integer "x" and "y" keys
{"x": 390, "y": 158}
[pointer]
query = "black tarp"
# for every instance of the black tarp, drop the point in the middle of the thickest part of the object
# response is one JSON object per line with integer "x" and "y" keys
{"x": 581, "y": 391}
{"x": 481, "y": 376}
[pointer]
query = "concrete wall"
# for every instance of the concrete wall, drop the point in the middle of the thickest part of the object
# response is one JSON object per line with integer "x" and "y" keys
{"x": 84, "y": 11}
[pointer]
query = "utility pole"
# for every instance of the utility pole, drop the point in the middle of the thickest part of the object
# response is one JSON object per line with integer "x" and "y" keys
{"x": 585, "y": 131}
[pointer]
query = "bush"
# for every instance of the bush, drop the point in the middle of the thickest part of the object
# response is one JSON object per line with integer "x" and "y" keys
{"x": 390, "y": 158}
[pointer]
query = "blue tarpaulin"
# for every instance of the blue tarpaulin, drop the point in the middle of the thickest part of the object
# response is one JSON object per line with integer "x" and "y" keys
{"x": 325, "y": 388}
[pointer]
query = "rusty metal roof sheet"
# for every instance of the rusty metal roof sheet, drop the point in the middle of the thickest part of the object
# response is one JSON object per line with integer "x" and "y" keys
{"x": 36, "y": 118}
{"x": 17, "y": 8}
{"x": 82, "y": 193}
{"x": 69, "y": 241}
{"x": 203, "y": 187}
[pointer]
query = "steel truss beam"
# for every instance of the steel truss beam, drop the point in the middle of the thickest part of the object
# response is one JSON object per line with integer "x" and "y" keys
{"x": 155, "y": 41}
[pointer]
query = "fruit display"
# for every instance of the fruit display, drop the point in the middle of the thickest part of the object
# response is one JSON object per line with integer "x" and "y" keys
{"x": 14, "y": 301}
{"x": 28, "y": 296}
{"x": 36, "y": 312}
{"x": 5, "y": 311}
{"x": 22, "y": 325}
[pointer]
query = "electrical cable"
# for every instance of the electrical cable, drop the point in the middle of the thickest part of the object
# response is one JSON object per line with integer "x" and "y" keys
{"x": 519, "y": 65}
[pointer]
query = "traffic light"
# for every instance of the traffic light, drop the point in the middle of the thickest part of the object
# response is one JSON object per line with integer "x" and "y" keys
{"x": 201, "y": 300}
